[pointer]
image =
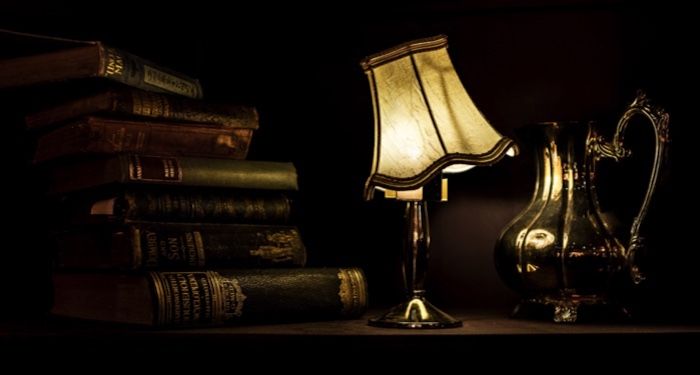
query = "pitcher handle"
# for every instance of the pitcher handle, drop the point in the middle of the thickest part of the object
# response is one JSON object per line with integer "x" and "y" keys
{"x": 659, "y": 119}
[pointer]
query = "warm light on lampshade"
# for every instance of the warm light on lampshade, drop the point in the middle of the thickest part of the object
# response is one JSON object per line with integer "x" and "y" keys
{"x": 425, "y": 122}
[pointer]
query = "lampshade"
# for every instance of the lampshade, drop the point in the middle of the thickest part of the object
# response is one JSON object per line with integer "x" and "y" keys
{"x": 424, "y": 120}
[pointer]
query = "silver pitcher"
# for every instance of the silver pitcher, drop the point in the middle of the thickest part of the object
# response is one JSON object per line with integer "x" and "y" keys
{"x": 560, "y": 251}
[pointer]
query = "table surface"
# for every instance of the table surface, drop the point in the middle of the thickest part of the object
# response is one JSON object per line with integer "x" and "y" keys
{"x": 476, "y": 323}
{"x": 483, "y": 334}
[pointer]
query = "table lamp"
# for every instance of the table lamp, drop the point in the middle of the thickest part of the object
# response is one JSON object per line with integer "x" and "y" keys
{"x": 425, "y": 126}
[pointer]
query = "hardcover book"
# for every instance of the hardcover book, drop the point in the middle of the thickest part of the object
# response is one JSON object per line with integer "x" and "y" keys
{"x": 96, "y": 135}
{"x": 139, "y": 103}
{"x": 45, "y": 59}
{"x": 149, "y": 203}
{"x": 167, "y": 170}
{"x": 205, "y": 298}
{"x": 149, "y": 245}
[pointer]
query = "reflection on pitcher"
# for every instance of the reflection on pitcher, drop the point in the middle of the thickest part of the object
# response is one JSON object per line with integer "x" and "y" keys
{"x": 560, "y": 251}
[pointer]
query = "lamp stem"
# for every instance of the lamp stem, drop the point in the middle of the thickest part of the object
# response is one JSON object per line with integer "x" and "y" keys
{"x": 417, "y": 244}
{"x": 416, "y": 311}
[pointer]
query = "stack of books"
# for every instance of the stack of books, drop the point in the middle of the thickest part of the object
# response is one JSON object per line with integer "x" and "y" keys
{"x": 161, "y": 220}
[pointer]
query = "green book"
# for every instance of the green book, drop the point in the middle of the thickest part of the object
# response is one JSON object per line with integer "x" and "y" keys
{"x": 151, "y": 246}
{"x": 171, "y": 170}
{"x": 176, "y": 204}
{"x": 205, "y": 298}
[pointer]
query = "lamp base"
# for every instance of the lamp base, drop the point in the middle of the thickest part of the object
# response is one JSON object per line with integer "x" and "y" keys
{"x": 417, "y": 313}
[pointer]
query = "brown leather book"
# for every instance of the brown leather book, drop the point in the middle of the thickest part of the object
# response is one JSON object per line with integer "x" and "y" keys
{"x": 95, "y": 135}
{"x": 43, "y": 59}
{"x": 134, "y": 102}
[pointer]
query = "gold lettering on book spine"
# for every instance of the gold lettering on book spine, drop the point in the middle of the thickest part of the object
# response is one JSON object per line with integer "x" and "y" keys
{"x": 184, "y": 309}
{"x": 142, "y": 168}
{"x": 171, "y": 169}
{"x": 137, "y": 255}
{"x": 175, "y": 306}
{"x": 162, "y": 299}
{"x": 150, "y": 104}
{"x": 217, "y": 300}
{"x": 135, "y": 168}
{"x": 152, "y": 256}
{"x": 196, "y": 297}
{"x": 208, "y": 298}
{"x": 187, "y": 298}
{"x": 114, "y": 66}
{"x": 228, "y": 300}
{"x": 352, "y": 291}
{"x": 169, "y": 82}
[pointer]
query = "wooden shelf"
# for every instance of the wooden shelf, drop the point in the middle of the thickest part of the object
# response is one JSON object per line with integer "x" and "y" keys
{"x": 482, "y": 331}
{"x": 475, "y": 324}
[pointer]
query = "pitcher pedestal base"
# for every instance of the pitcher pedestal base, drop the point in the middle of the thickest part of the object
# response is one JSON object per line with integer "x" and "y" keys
{"x": 570, "y": 309}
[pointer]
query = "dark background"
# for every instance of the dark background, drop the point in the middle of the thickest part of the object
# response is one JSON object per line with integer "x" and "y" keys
{"x": 521, "y": 62}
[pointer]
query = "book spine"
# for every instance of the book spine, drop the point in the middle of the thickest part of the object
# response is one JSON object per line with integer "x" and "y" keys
{"x": 170, "y": 170}
{"x": 181, "y": 246}
{"x": 79, "y": 62}
{"x": 198, "y": 207}
{"x": 208, "y": 172}
{"x": 72, "y": 110}
{"x": 102, "y": 136}
{"x": 211, "y": 298}
{"x": 148, "y": 104}
{"x": 137, "y": 72}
